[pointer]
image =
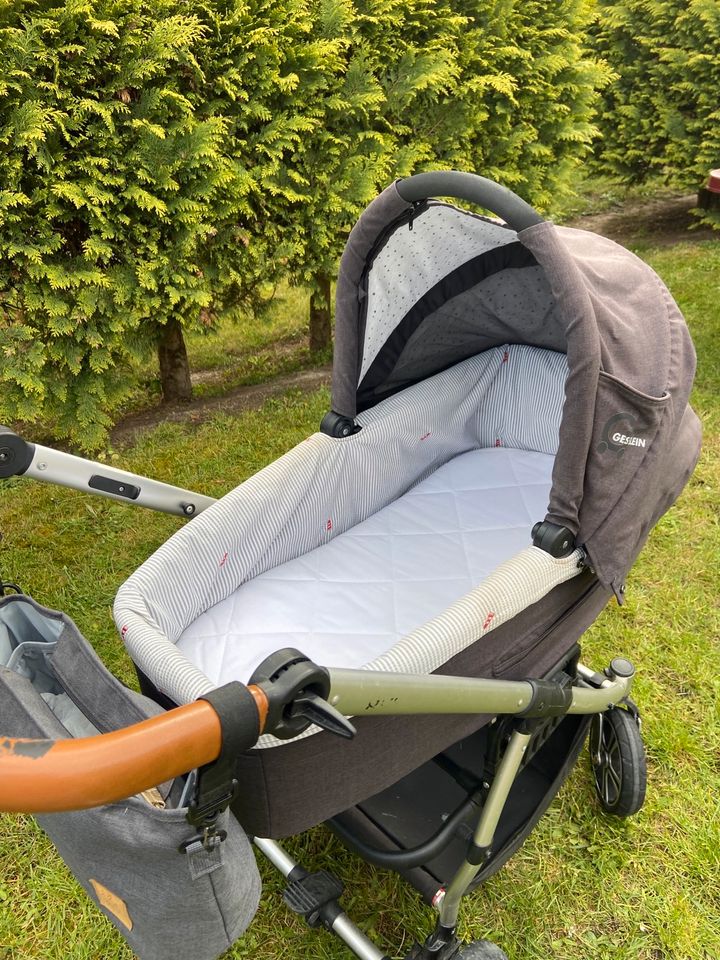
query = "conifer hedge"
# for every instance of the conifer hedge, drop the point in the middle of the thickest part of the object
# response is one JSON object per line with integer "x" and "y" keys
{"x": 137, "y": 140}
{"x": 158, "y": 160}
{"x": 500, "y": 88}
{"x": 661, "y": 113}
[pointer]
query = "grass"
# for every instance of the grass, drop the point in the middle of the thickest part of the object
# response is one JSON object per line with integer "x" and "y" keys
{"x": 584, "y": 886}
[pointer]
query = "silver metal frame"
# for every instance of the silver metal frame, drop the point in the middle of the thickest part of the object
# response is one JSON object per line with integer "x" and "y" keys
{"x": 67, "y": 470}
{"x": 342, "y": 926}
{"x": 361, "y": 692}
{"x": 484, "y": 834}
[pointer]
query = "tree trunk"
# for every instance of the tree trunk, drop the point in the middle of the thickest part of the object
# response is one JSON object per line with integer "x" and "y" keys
{"x": 320, "y": 313}
{"x": 174, "y": 366}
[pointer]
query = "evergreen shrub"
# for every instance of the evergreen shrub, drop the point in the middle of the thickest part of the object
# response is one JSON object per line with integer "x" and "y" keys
{"x": 159, "y": 160}
{"x": 661, "y": 114}
{"x": 524, "y": 110}
{"x": 496, "y": 87}
{"x": 137, "y": 142}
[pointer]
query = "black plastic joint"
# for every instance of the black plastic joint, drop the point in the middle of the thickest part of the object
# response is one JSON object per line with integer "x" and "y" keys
{"x": 442, "y": 944}
{"x": 337, "y": 426}
{"x": 548, "y": 699}
{"x": 205, "y": 812}
{"x": 16, "y": 454}
{"x": 553, "y": 539}
{"x": 477, "y": 854}
{"x": 286, "y": 677}
{"x": 620, "y": 667}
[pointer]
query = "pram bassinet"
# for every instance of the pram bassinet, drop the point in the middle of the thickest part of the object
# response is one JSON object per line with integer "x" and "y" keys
{"x": 473, "y": 366}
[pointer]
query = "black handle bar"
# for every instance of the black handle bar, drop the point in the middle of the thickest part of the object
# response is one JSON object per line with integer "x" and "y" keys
{"x": 469, "y": 186}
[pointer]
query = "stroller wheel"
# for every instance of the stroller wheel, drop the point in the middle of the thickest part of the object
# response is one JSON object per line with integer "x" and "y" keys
{"x": 617, "y": 756}
{"x": 481, "y": 950}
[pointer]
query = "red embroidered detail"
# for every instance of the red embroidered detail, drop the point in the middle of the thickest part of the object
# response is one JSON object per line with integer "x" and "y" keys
{"x": 498, "y": 442}
{"x": 224, "y": 558}
{"x": 488, "y": 620}
{"x": 506, "y": 356}
{"x": 123, "y": 631}
{"x": 328, "y": 526}
{"x": 426, "y": 435}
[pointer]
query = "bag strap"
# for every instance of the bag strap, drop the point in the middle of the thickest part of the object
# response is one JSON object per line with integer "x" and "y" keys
{"x": 216, "y": 782}
{"x": 8, "y": 589}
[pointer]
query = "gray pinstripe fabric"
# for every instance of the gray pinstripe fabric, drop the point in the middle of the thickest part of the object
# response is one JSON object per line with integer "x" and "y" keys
{"x": 510, "y": 396}
{"x": 512, "y": 587}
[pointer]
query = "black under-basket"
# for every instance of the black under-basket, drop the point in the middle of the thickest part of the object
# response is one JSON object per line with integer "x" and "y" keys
{"x": 421, "y": 826}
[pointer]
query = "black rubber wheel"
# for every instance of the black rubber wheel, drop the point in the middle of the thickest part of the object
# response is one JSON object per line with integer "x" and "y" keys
{"x": 482, "y": 950}
{"x": 617, "y": 757}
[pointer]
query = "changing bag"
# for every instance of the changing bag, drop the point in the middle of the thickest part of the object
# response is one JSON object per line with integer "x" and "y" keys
{"x": 139, "y": 860}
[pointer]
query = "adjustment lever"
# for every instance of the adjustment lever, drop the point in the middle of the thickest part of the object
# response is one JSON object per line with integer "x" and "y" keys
{"x": 309, "y": 706}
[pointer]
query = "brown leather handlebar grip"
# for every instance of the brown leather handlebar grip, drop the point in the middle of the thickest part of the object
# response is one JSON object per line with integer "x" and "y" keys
{"x": 50, "y": 776}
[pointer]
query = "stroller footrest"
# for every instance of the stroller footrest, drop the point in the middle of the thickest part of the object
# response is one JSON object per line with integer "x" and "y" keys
{"x": 314, "y": 896}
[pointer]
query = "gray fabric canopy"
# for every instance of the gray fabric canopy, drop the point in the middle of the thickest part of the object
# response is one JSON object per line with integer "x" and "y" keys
{"x": 423, "y": 286}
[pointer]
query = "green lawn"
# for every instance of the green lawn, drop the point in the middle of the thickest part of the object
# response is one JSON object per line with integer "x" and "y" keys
{"x": 585, "y": 886}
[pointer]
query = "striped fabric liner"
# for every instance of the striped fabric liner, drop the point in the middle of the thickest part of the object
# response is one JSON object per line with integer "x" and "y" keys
{"x": 507, "y": 396}
{"x": 510, "y": 588}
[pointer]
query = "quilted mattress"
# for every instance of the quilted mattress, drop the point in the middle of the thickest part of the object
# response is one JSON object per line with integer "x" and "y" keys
{"x": 351, "y": 599}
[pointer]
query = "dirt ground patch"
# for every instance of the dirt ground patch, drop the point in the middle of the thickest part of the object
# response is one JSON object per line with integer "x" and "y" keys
{"x": 233, "y": 402}
{"x": 662, "y": 221}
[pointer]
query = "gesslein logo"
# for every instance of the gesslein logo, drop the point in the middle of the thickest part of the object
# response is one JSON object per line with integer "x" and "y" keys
{"x": 628, "y": 441}
{"x": 619, "y": 433}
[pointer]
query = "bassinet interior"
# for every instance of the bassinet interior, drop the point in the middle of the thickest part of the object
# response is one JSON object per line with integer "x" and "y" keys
{"x": 346, "y": 548}
{"x": 350, "y": 600}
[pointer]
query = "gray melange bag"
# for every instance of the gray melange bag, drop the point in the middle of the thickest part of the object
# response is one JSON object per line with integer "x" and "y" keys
{"x": 168, "y": 905}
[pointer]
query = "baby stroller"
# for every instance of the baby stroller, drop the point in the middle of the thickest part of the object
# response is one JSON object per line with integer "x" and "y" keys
{"x": 509, "y": 420}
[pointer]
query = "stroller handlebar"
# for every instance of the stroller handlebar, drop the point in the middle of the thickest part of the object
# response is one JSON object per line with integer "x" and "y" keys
{"x": 49, "y": 776}
{"x": 475, "y": 189}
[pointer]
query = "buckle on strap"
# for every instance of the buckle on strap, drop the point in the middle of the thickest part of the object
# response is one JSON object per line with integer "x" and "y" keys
{"x": 217, "y": 784}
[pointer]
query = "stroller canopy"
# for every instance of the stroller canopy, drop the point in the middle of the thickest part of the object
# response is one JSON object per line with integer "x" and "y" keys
{"x": 424, "y": 285}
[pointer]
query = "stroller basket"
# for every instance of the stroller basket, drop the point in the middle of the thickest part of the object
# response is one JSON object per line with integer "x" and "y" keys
{"x": 391, "y": 829}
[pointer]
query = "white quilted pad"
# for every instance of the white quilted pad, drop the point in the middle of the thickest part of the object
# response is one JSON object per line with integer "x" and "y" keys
{"x": 351, "y": 599}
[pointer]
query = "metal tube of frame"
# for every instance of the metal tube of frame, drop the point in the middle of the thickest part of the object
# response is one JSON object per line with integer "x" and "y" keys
{"x": 367, "y": 692}
{"x": 586, "y": 700}
{"x": 276, "y": 855}
{"x": 67, "y": 470}
{"x": 342, "y": 925}
{"x": 345, "y": 929}
{"x": 486, "y": 826}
